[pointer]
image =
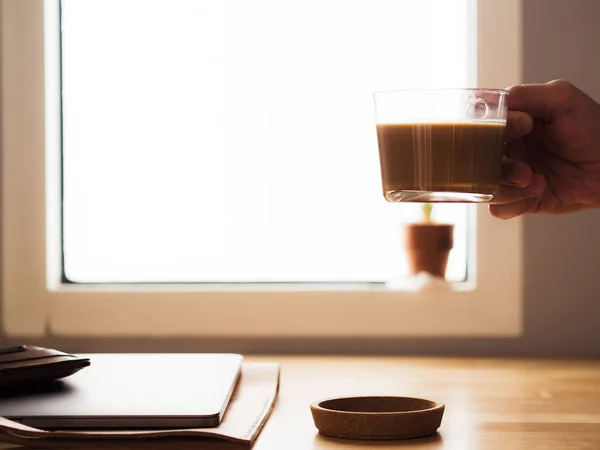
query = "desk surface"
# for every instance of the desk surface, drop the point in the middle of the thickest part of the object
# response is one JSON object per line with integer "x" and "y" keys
{"x": 490, "y": 404}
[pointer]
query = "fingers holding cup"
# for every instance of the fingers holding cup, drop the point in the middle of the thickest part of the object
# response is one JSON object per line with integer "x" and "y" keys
{"x": 515, "y": 173}
{"x": 512, "y": 194}
{"x": 518, "y": 124}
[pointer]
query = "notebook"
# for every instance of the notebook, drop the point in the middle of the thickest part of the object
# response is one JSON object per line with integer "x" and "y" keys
{"x": 131, "y": 391}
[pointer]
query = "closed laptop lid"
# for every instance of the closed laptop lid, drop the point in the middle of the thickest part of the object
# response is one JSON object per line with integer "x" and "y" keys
{"x": 132, "y": 391}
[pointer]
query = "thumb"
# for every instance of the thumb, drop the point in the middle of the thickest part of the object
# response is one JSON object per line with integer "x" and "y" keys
{"x": 541, "y": 101}
{"x": 518, "y": 124}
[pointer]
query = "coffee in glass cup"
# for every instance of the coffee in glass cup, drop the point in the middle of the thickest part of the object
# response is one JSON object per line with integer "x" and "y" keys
{"x": 441, "y": 145}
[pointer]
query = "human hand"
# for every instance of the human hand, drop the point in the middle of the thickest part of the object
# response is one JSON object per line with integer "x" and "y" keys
{"x": 552, "y": 152}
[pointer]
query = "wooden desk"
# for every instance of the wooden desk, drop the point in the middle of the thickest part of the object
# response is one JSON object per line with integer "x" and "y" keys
{"x": 490, "y": 404}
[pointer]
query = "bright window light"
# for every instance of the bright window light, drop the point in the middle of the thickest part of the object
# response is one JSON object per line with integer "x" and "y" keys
{"x": 234, "y": 140}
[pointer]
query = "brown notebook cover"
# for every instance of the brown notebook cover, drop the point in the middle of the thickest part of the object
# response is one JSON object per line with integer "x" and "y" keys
{"x": 246, "y": 414}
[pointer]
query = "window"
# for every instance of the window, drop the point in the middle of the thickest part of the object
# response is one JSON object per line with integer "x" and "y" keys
{"x": 157, "y": 189}
{"x": 238, "y": 143}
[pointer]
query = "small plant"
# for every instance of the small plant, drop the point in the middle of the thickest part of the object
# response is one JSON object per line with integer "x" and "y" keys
{"x": 428, "y": 243}
{"x": 427, "y": 209}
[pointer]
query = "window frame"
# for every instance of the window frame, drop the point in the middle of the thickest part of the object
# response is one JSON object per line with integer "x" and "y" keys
{"x": 36, "y": 303}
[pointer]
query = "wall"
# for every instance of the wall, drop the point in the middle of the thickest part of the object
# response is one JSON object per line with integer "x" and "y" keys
{"x": 562, "y": 253}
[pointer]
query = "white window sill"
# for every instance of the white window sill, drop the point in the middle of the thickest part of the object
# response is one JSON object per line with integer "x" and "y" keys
{"x": 356, "y": 313}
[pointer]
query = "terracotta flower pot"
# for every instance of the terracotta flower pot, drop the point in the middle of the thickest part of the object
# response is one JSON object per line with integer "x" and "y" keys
{"x": 428, "y": 246}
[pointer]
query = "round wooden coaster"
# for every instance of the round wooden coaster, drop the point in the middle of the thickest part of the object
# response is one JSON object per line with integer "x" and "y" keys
{"x": 377, "y": 417}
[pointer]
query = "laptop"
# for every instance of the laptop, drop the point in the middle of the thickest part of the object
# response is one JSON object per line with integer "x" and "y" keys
{"x": 132, "y": 391}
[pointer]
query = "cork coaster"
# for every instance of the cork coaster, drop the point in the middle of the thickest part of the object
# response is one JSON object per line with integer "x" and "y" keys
{"x": 377, "y": 417}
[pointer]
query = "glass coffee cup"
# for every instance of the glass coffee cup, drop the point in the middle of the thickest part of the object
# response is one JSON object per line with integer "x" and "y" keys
{"x": 441, "y": 145}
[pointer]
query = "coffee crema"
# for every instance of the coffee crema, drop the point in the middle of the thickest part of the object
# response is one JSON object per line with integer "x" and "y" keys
{"x": 441, "y": 158}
